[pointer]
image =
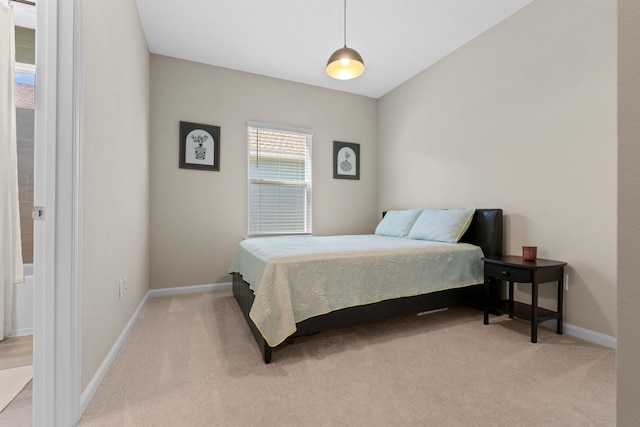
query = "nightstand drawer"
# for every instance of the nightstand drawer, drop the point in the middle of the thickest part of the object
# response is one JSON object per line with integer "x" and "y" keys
{"x": 510, "y": 274}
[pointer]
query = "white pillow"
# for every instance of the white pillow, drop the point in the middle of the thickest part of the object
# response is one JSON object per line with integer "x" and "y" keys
{"x": 397, "y": 223}
{"x": 442, "y": 225}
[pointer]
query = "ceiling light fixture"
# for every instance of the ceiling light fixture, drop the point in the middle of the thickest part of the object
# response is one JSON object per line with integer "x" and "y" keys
{"x": 345, "y": 63}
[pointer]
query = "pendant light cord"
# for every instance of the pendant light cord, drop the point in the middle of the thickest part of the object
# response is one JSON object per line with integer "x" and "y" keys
{"x": 345, "y": 23}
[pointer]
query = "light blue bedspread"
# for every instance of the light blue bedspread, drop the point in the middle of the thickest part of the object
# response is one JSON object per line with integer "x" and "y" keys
{"x": 295, "y": 278}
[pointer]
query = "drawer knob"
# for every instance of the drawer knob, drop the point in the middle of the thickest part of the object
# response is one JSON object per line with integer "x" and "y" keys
{"x": 505, "y": 273}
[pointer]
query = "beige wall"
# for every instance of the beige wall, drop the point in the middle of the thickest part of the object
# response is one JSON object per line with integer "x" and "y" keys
{"x": 628, "y": 354}
{"x": 115, "y": 180}
{"x": 522, "y": 118}
{"x": 199, "y": 217}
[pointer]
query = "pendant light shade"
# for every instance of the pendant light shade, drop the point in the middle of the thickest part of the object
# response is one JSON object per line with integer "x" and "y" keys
{"x": 345, "y": 63}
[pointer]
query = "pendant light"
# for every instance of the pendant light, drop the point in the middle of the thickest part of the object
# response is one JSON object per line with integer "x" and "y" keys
{"x": 345, "y": 63}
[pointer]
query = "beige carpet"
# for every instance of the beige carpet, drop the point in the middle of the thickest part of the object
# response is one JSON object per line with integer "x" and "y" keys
{"x": 191, "y": 361}
{"x": 12, "y": 381}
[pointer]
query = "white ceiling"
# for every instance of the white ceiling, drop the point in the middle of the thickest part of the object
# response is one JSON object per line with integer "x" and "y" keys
{"x": 292, "y": 39}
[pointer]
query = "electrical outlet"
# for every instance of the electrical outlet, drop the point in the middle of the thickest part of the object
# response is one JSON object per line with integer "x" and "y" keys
{"x": 120, "y": 289}
{"x": 566, "y": 281}
{"x": 126, "y": 287}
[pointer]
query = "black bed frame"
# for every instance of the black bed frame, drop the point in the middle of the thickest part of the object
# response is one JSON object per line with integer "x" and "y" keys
{"x": 485, "y": 231}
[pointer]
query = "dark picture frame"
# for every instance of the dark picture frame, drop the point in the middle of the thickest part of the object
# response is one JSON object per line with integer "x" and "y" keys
{"x": 199, "y": 146}
{"x": 346, "y": 160}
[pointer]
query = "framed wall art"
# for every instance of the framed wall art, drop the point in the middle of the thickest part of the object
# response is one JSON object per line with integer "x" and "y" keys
{"x": 346, "y": 160}
{"x": 199, "y": 146}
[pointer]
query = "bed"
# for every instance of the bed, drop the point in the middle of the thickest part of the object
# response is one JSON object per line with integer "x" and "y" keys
{"x": 294, "y": 286}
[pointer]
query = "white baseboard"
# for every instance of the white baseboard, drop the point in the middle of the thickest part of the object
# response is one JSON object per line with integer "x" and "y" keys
{"x": 591, "y": 336}
{"x": 153, "y": 293}
{"x": 21, "y": 332}
{"x": 584, "y": 334}
{"x": 98, "y": 377}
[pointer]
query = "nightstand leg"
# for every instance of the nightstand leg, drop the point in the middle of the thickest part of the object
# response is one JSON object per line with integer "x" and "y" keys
{"x": 486, "y": 300}
{"x": 534, "y": 312}
{"x": 560, "y": 303}
{"x": 510, "y": 298}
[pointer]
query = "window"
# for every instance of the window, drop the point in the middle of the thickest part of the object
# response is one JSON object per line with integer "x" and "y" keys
{"x": 279, "y": 180}
{"x": 24, "y": 79}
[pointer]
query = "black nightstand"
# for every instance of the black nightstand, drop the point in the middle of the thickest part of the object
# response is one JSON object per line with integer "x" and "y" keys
{"x": 514, "y": 269}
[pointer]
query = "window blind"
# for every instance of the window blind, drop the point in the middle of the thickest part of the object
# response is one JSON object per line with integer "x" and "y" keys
{"x": 279, "y": 180}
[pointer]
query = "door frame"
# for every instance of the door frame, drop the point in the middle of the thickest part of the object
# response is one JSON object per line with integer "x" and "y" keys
{"x": 57, "y": 239}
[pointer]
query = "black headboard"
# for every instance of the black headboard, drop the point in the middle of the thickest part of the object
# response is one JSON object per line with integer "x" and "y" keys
{"x": 485, "y": 231}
